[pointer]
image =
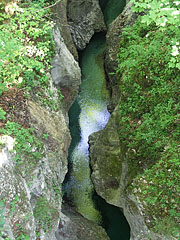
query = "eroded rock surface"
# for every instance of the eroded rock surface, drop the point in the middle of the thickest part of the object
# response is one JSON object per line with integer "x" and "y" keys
{"x": 60, "y": 14}
{"x": 75, "y": 227}
{"x": 65, "y": 72}
{"x": 85, "y": 18}
{"x": 113, "y": 37}
{"x": 27, "y": 184}
{"x": 112, "y": 173}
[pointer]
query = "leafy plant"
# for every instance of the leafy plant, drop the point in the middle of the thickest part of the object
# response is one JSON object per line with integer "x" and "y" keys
{"x": 44, "y": 213}
{"x": 27, "y": 145}
{"x": 2, "y": 114}
{"x": 164, "y": 14}
{"x": 149, "y": 106}
{"x": 26, "y": 45}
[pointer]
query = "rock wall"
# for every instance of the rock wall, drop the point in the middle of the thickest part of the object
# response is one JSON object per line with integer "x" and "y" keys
{"x": 111, "y": 173}
{"x": 85, "y": 18}
{"x": 126, "y": 18}
{"x": 24, "y": 184}
{"x": 75, "y": 227}
{"x": 30, "y": 190}
{"x": 65, "y": 71}
{"x": 112, "y": 176}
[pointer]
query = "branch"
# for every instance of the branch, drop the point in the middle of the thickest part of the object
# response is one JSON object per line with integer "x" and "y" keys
{"x": 49, "y": 6}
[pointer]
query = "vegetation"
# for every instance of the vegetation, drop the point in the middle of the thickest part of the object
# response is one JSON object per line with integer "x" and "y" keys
{"x": 149, "y": 73}
{"x": 26, "y": 45}
{"x": 26, "y": 52}
{"x": 26, "y": 145}
{"x": 45, "y": 214}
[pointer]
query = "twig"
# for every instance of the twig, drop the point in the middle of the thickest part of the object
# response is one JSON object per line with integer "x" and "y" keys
{"x": 49, "y": 6}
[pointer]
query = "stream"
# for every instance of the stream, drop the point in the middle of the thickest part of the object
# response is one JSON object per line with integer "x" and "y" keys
{"x": 89, "y": 114}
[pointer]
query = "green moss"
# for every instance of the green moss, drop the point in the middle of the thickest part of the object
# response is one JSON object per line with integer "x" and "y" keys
{"x": 45, "y": 214}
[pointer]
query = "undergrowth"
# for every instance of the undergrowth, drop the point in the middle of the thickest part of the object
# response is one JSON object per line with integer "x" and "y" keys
{"x": 150, "y": 118}
{"x": 26, "y": 52}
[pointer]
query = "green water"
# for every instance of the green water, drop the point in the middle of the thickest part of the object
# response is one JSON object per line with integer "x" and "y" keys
{"x": 87, "y": 115}
{"x": 111, "y": 9}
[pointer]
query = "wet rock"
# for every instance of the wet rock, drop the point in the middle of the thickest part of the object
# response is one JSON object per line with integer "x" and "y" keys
{"x": 75, "y": 227}
{"x": 85, "y": 18}
{"x": 106, "y": 159}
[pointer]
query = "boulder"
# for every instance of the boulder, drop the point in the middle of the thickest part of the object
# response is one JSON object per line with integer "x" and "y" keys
{"x": 85, "y": 18}
{"x": 75, "y": 227}
{"x": 65, "y": 72}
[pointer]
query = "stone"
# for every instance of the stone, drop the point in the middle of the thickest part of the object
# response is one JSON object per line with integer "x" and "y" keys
{"x": 23, "y": 184}
{"x": 60, "y": 15}
{"x": 113, "y": 38}
{"x": 75, "y": 227}
{"x": 112, "y": 176}
{"x": 65, "y": 72}
{"x": 85, "y": 18}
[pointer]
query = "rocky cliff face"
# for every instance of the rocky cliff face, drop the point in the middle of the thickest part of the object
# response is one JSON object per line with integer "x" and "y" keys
{"x": 85, "y": 18}
{"x": 30, "y": 188}
{"x": 65, "y": 70}
{"x": 112, "y": 175}
{"x": 126, "y": 18}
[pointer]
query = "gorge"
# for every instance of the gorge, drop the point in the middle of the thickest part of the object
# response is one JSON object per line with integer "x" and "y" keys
{"x": 87, "y": 115}
{"x": 89, "y": 121}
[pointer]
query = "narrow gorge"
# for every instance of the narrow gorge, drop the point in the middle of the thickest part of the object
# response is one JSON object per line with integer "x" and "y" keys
{"x": 71, "y": 167}
{"x": 87, "y": 115}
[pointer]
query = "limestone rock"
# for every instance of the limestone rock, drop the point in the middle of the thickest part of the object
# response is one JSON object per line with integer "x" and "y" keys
{"x": 25, "y": 185}
{"x": 113, "y": 37}
{"x": 75, "y": 227}
{"x": 65, "y": 72}
{"x": 106, "y": 158}
{"x": 60, "y": 15}
{"x": 112, "y": 175}
{"x": 85, "y": 18}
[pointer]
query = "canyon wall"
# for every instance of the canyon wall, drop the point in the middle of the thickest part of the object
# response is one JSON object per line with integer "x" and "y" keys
{"x": 31, "y": 189}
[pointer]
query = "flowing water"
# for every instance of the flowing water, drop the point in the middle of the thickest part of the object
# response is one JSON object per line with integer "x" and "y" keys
{"x": 89, "y": 114}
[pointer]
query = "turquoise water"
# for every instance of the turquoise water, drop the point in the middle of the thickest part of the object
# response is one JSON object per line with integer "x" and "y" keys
{"x": 111, "y": 9}
{"x": 113, "y": 220}
{"x": 87, "y": 115}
